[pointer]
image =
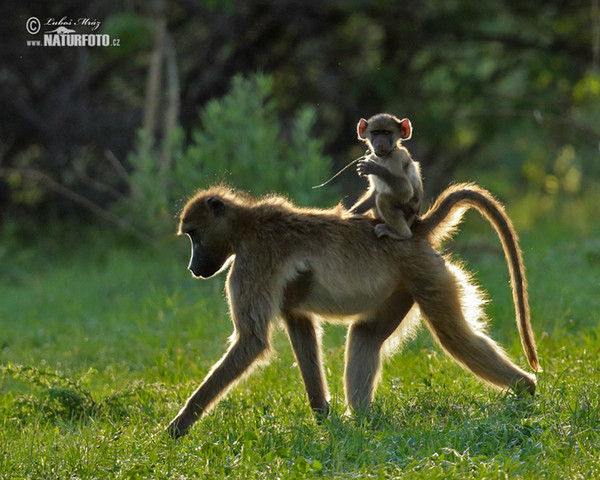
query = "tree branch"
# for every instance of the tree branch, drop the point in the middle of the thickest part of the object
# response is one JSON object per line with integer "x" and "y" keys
{"x": 75, "y": 197}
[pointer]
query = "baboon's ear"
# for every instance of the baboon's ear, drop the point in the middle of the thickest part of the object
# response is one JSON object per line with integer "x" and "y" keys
{"x": 216, "y": 205}
{"x": 361, "y": 128}
{"x": 405, "y": 128}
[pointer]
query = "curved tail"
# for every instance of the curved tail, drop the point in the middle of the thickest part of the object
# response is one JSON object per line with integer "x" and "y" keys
{"x": 442, "y": 219}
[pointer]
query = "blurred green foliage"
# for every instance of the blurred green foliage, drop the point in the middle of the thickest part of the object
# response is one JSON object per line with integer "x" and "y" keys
{"x": 132, "y": 30}
{"x": 506, "y": 94}
{"x": 241, "y": 142}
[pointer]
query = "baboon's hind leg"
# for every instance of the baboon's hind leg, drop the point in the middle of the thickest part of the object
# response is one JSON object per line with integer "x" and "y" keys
{"x": 305, "y": 343}
{"x": 363, "y": 349}
{"x": 441, "y": 307}
{"x": 395, "y": 225}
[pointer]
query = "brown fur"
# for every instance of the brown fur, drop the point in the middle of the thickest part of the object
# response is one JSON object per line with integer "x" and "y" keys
{"x": 304, "y": 264}
{"x": 395, "y": 187}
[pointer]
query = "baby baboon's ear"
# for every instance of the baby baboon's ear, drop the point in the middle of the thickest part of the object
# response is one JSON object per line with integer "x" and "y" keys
{"x": 216, "y": 205}
{"x": 405, "y": 128}
{"x": 361, "y": 129}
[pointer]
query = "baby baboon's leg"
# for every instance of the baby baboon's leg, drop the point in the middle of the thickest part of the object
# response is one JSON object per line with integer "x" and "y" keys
{"x": 244, "y": 351}
{"x": 305, "y": 343}
{"x": 363, "y": 349}
{"x": 441, "y": 307}
{"x": 395, "y": 225}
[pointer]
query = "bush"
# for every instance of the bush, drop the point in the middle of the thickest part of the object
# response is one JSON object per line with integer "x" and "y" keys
{"x": 240, "y": 142}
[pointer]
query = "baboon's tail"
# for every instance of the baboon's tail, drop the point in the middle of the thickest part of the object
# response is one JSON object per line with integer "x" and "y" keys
{"x": 442, "y": 219}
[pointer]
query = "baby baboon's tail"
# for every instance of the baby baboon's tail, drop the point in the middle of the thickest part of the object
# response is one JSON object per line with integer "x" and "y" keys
{"x": 442, "y": 219}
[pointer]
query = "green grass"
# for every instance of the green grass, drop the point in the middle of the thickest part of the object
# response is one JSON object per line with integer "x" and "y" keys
{"x": 101, "y": 343}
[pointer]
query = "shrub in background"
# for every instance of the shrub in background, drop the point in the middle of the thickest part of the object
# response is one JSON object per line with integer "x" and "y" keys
{"x": 240, "y": 142}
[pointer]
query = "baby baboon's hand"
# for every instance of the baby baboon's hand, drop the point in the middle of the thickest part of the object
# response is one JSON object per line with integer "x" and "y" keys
{"x": 368, "y": 167}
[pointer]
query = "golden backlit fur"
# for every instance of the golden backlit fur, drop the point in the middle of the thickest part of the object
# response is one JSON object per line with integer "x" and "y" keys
{"x": 303, "y": 265}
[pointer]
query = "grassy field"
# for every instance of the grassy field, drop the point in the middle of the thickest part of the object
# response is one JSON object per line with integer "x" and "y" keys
{"x": 101, "y": 342}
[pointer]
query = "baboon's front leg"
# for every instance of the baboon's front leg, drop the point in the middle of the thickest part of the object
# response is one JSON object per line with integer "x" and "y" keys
{"x": 305, "y": 343}
{"x": 240, "y": 356}
{"x": 363, "y": 349}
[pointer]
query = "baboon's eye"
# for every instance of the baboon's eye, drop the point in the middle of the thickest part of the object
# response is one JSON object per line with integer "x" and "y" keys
{"x": 382, "y": 133}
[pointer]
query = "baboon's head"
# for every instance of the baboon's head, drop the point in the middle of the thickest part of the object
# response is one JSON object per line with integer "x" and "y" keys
{"x": 383, "y": 132}
{"x": 207, "y": 220}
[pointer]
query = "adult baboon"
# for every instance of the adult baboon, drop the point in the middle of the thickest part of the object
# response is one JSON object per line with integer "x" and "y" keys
{"x": 302, "y": 265}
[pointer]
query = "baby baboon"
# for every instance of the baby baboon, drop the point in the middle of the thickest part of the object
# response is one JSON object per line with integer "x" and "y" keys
{"x": 396, "y": 188}
{"x": 302, "y": 265}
